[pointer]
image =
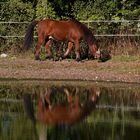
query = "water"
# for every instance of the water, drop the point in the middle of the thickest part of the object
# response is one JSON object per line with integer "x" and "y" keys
{"x": 38, "y": 110}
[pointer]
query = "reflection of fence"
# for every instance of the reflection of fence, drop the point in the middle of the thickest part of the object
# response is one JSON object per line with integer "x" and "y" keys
{"x": 101, "y": 28}
{"x": 101, "y": 106}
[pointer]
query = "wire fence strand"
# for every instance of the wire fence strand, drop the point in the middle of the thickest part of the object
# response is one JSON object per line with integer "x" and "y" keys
{"x": 97, "y": 35}
{"x": 86, "y": 21}
{"x": 83, "y": 21}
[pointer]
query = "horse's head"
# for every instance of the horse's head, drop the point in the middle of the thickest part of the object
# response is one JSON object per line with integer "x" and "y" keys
{"x": 97, "y": 54}
{"x": 102, "y": 55}
{"x": 94, "y": 51}
{"x": 105, "y": 55}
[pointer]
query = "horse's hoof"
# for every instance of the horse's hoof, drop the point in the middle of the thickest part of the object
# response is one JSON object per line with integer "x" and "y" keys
{"x": 49, "y": 57}
{"x": 63, "y": 56}
{"x": 56, "y": 59}
{"x": 78, "y": 59}
{"x": 37, "y": 58}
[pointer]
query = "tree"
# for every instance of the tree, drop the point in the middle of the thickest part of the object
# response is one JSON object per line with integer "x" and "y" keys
{"x": 129, "y": 9}
{"x": 62, "y": 8}
{"x": 16, "y": 10}
{"x": 44, "y": 9}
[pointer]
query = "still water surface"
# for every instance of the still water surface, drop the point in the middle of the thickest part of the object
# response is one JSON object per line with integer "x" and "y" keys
{"x": 69, "y": 111}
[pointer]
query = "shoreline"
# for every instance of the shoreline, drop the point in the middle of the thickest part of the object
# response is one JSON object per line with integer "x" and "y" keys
{"x": 69, "y": 70}
{"x": 65, "y": 80}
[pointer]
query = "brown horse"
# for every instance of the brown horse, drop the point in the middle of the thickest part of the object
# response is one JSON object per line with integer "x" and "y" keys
{"x": 69, "y": 30}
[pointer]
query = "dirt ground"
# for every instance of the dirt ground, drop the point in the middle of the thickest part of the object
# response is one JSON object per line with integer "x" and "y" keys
{"x": 88, "y": 70}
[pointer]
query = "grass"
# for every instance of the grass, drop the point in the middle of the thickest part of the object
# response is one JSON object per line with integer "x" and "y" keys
{"x": 120, "y": 67}
{"x": 125, "y": 58}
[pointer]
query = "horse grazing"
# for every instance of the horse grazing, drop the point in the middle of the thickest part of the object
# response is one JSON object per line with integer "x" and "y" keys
{"x": 65, "y": 30}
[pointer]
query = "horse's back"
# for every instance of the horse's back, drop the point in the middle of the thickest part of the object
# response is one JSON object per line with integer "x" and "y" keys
{"x": 44, "y": 24}
{"x": 60, "y": 30}
{"x": 51, "y": 22}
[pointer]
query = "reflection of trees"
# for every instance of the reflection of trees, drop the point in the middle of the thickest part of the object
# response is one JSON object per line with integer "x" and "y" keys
{"x": 70, "y": 110}
{"x": 10, "y": 96}
{"x": 120, "y": 96}
{"x": 15, "y": 127}
{"x": 117, "y": 113}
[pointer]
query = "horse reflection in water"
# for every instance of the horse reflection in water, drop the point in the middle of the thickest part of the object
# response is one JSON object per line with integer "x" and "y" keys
{"x": 56, "y": 114}
{"x": 69, "y": 113}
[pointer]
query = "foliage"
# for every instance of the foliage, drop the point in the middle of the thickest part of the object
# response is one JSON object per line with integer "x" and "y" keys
{"x": 44, "y": 9}
{"x": 90, "y": 10}
{"x": 22, "y": 11}
{"x": 114, "y": 113}
{"x": 62, "y": 8}
{"x": 130, "y": 9}
{"x": 28, "y": 10}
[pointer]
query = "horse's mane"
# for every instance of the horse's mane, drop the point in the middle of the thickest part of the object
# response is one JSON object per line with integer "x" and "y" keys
{"x": 89, "y": 37}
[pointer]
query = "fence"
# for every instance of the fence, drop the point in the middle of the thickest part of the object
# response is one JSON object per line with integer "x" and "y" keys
{"x": 121, "y": 35}
{"x": 132, "y": 28}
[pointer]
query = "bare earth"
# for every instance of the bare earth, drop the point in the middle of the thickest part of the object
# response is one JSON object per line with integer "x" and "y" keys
{"x": 28, "y": 68}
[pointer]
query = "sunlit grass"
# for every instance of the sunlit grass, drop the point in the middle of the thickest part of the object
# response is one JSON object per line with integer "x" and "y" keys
{"x": 126, "y": 58}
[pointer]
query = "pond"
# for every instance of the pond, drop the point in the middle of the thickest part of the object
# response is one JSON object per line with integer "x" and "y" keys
{"x": 66, "y": 110}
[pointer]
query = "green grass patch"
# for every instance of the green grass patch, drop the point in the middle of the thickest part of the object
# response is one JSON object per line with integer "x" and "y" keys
{"x": 126, "y": 58}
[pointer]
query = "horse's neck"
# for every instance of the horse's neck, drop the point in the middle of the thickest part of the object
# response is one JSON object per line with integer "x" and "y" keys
{"x": 90, "y": 39}
{"x": 88, "y": 35}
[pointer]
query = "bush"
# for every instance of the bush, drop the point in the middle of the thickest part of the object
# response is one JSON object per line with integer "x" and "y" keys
{"x": 14, "y": 10}
{"x": 44, "y": 9}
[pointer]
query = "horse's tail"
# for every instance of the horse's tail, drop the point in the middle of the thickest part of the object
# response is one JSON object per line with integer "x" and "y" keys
{"x": 29, "y": 35}
{"x": 28, "y": 107}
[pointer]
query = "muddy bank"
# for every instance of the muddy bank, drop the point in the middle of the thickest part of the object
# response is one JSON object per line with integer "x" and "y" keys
{"x": 27, "y": 68}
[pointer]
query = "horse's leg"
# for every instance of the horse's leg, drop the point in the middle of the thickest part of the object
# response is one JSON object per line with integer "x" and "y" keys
{"x": 47, "y": 97}
{"x": 37, "y": 51}
{"x": 38, "y": 46}
{"x": 76, "y": 97}
{"x": 73, "y": 100}
{"x": 70, "y": 45}
{"x": 77, "y": 50}
{"x": 60, "y": 50}
{"x": 94, "y": 94}
{"x": 48, "y": 49}
{"x": 69, "y": 97}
